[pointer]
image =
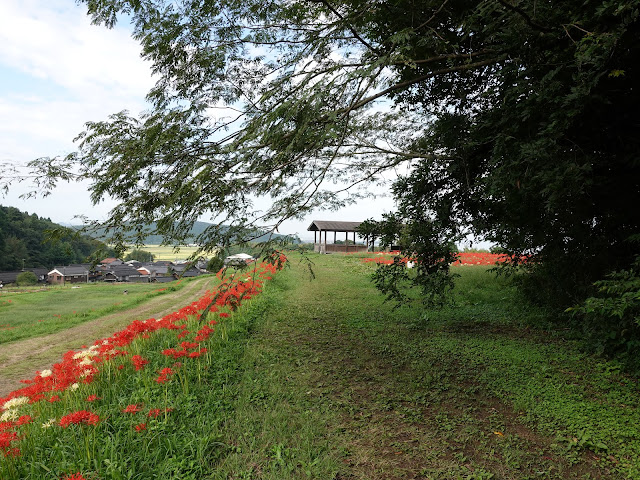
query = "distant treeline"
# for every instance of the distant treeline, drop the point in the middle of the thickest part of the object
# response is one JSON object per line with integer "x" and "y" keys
{"x": 38, "y": 242}
{"x": 197, "y": 229}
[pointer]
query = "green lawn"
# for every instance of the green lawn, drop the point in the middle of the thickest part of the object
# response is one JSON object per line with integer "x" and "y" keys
{"x": 339, "y": 384}
{"x": 36, "y": 312}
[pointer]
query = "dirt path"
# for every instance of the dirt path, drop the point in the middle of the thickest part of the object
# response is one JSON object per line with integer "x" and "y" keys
{"x": 21, "y": 359}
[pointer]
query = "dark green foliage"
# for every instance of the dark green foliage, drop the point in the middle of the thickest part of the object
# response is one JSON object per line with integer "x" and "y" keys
{"x": 139, "y": 255}
{"x": 30, "y": 241}
{"x": 611, "y": 318}
{"x": 215, "y": 264}
{"x": 26, "y": 278}
{"x": 420, "y": 240}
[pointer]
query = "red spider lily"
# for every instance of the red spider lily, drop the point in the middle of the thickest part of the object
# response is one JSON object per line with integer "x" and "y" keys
{"x": 189, "y": 345}
{"x": 154, "y": 412}
{"x": 133, "y": 408}
{"x": 141, "y": 427}
{"x": 224, "y": 315}
{"x": 54, "y": 398}
{"x": 6, "y": 438}
{"x": 164, "y": 376}
{"x": 203, "y": 333}
{"x": 73, "y": 476}
{"x": 198, "y": 353}
{"x": 139, "y": 362}
{"x": 6, "y": 426}
{"x": 93, "y": 398}
{"x": 24, "y": 420}
{"x": 81, "y": 416}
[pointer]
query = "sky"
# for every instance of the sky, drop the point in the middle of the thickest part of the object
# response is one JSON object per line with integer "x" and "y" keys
{"x": 57, "y": 71}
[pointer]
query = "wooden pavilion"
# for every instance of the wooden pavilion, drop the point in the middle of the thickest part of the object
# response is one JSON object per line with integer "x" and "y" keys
{"x": 322, "y": 226}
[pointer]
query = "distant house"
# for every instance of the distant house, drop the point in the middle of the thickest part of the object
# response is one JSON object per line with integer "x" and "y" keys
{"x": 238, "y": 260}
{"x": 144, "y": 270}
{"x": 80, "y": 273}
{"x": 11, "y": 277}
{"x": 157, "y": 269}
{"x": 123, "y": 273}
{"x": 111, "y": 261}
{"x": 185, "y": 270}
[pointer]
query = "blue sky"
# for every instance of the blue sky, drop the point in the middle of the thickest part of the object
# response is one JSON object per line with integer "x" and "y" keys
{"x": 57, "y": 71}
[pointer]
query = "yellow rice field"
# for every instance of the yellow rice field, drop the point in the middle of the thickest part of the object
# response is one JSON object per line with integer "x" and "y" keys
{"x": 164, "y": 252}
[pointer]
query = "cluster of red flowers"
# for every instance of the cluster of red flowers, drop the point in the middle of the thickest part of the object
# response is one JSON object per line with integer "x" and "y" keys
{"x": 81, "y": 416}
{"x": 464, "y": 258}
{"x": 82, "y": 367}
{"x": 480, "y": 258}
{"x": 155, "y": 412}
{"x": 139, "y": 362}
{"x": 165, "y": 375}
{"x": 74, "y": 476}
{"x": 6, "y": 439}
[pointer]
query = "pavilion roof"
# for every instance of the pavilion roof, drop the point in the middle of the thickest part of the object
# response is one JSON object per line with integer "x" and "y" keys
{"x": 333, "y": 226}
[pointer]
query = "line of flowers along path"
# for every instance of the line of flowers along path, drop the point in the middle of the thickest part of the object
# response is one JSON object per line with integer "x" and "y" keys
{"x": 464, "y": 258}
{"x": 67, "y": 413}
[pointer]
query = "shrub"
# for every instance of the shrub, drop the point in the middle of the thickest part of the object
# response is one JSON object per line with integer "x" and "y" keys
{"x": 215, "y": 264}
{"x": 611, "y": 319}
{"x": 26, "y": 278}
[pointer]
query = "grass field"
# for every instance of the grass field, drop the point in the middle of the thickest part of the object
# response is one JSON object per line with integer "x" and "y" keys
{"x": 324, "y": 380}
{"x": 34, "y": 312}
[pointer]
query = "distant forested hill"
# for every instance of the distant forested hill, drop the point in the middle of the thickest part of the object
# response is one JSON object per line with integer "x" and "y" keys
{"x": 23, "y": 237}
{"x": 197, "y": 229}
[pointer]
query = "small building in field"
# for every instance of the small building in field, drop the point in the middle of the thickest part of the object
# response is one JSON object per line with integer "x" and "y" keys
{"x": 81, "y": 273}
{"x": 335, "y": 227}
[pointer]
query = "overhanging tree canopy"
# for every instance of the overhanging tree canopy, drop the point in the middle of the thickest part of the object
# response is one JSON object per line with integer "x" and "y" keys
{"x": 517, "y": 120}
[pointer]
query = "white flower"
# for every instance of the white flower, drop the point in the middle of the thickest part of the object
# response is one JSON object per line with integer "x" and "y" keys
{"x": 86, "y": 361}
{"x": 74, "y": 386}
{"x": 15, "y": 402}
{"x": 9, "y": 416}
{"x": 46, "y": 373}
{"x": 49, "y": 423}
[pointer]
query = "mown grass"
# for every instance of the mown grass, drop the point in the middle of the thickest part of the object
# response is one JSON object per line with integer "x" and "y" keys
{"x": 476, "y": 390}
{"x": 43, "y": 311}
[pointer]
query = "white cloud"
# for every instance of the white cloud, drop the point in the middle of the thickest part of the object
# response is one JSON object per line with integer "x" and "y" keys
{"x": 54, "y": 41}
{"x": 72, "y": 72}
